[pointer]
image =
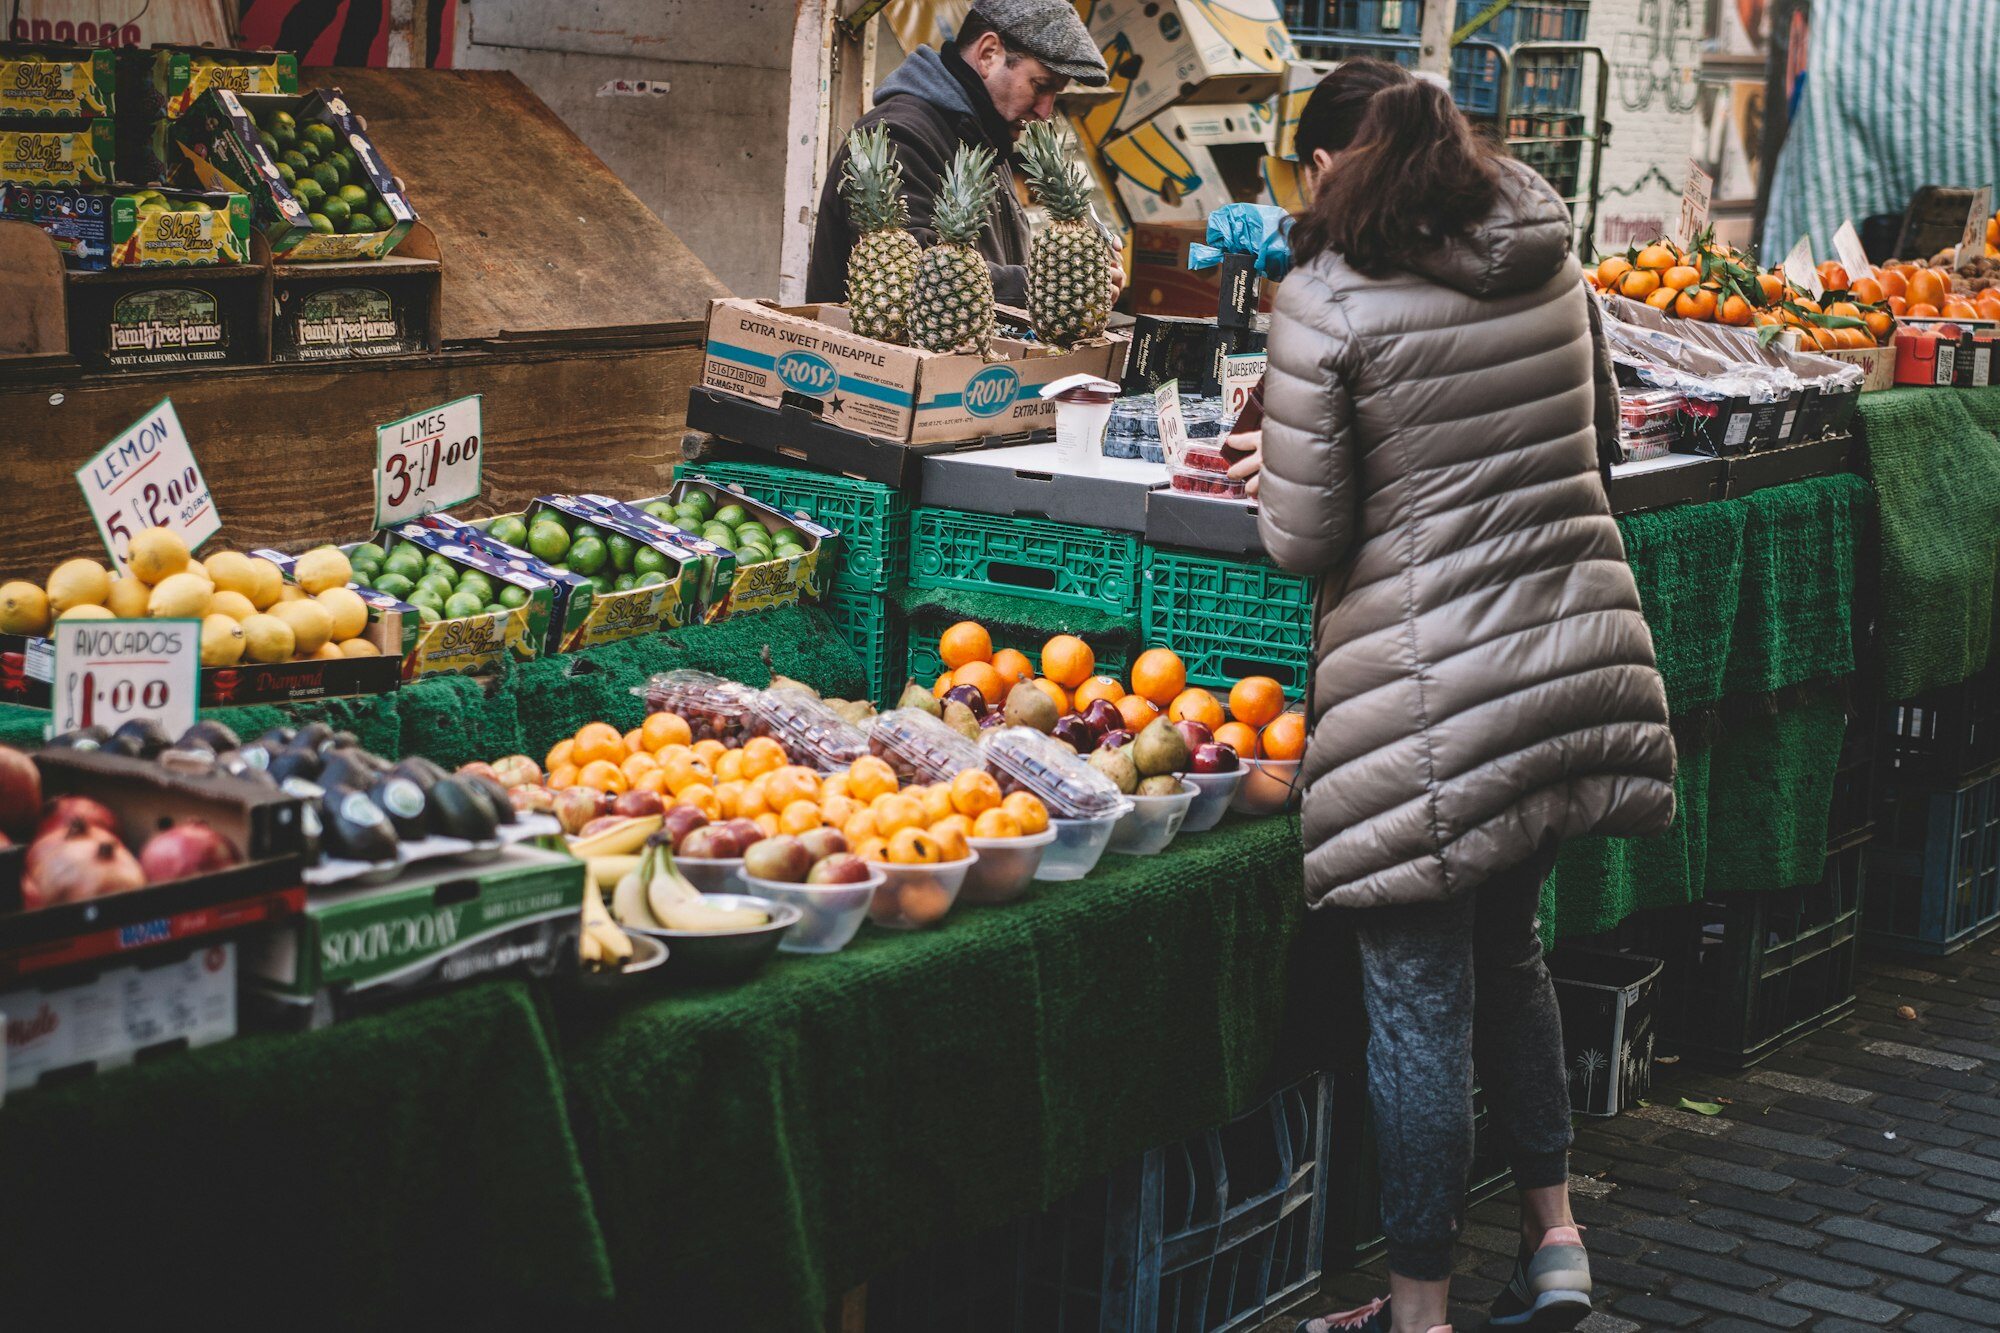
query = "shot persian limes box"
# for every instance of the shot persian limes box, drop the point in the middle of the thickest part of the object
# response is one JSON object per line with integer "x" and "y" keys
{"x": 135, "y": 228}
{"x": 781, "y": 559}
{"x": 492, "y": 610}
{"x": 317, "y": 184}
{"x": 57, "y": 152}
{"x": 181, "y": 74}
{"x": 718, "y": 561}
{"x": 569, "y": 606}
{"x": 40, "y": 80}
{"x": 576, "y": 537}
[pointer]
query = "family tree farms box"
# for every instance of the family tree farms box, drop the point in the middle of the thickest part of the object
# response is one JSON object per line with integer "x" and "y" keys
{"x": 1165, "y": 51}
{"x": 769, "y": 353}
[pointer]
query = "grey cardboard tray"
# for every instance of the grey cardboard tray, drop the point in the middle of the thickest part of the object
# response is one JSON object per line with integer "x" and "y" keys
{"x": 1029, "y": 481}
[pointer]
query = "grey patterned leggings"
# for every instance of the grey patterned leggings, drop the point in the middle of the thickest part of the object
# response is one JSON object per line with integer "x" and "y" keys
{"x": 1449, "y": 985}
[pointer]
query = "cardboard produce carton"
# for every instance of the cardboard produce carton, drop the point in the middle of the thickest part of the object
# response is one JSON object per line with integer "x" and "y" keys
{"x": 56, "y": 81}
{"x": 108, "y": 1019}
{"x": 1301, "y": 77}
{"x": 181, "y": 74}
{"x": 58, "y": 152}
{"x": 1188, "y": 161}
{"x": 119, "y": 228}
{"x": 1162, "y": 52}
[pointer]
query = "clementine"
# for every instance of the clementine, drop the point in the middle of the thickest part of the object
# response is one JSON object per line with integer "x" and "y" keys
{"x": 1099, "y": 687}
{"x": 996, "y": 824}
{"x": 597, "y": 741}
{"x": 1285, "y": 738}
{"x": 1028, "y": 811}
{"x": 1196, "y": 705}
{"x": 1256, "y": 700}
{"x": 1695, "y": 303}
{"x": 982, "y": 677}
{"x": 1612, "y": 267}
{"x": 558, "y": 757}
{"x": 1158, "y": 676}
{"x": 1681, "y": 277}
{"x": 660, "y": 730}
{"x": 1137, "y": 711}
{"x": 1638, "y": 284}
{"x": 1892, "y": 283}
{"x": 967, "y": 641}
{"x": 1055, "y": 692}
{"x": 1733, "y": 310}
{"x": 1238, "y": 736}
{"x": 1868, "y": 291}
{"x": 941, "y": 686}
{"x": 761, "y": 755}
{"x": 603, "y": 775}
{"x": 1013, "y": 666}
{"x": 1663, "y": 298}
{"x": 1068, "y": 661}
{"x": 914, "y": 847}
{"x": 974, "y": 792}
{"x": 1657, "y": 256}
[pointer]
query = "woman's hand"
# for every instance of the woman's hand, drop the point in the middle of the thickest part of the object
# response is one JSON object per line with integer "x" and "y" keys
{"x": 1246, "y": 469}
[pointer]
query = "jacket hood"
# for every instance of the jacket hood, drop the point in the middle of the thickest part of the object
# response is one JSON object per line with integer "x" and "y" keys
{"x": 1517, "y": 248}
{"x": 923, "y": 75}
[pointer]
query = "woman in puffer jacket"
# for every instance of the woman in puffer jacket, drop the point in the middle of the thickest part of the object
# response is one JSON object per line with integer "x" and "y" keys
{"x": 1483, "y": 684}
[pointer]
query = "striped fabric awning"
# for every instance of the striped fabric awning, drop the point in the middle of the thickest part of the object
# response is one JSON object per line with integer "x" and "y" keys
{"x": 1898, "y": 94}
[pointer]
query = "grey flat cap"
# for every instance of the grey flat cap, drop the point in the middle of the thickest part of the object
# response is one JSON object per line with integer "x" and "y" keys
{"x": 1051, "y": 32}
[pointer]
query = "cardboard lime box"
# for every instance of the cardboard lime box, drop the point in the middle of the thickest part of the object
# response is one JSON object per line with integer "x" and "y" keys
{"x": 57, "y": 152}
{"x": 219, "y": 144}
{"x": 718, "y": 562}
{"x": 1163, "y": 52}
{"x": 1188, "y": 161}
{"x": 39, "y": 80}
{"x": 615, "y": 615}
{"x": 435, "y": 927}
{"x": 135, "y": 228}
{"x": 780, "y": 581}
{"x": 569, "y": 604}
{"x": 771, "y": 354}
{"x": 468, "y": 645}
{"x": 181, "y": 74}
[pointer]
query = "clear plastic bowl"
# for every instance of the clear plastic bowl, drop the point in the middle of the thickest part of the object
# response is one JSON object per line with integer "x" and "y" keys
{"x": 1270, "y": 786}
{"x": 920, "y": 747}
{"x": 912, "y": 897}
{"x": 1153, "y": 822}
{"x": 812, "y": 733}
{"x": 1078, "y": 845}
{"x": 829, "y": 914}
{"x": 1005, "y": 867}
{"x": 1212, "y": 795}
{"x": 713, "y": 875}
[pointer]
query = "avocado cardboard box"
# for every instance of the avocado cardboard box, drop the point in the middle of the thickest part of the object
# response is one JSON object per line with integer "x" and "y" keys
{"x": 57, "y": 152}
{"x": 132, "y": 227}
{"x": 433, "y": 927}
{"x": 771, "y": 354}
{"x": 36, "y": 80}
{"x": 218, "y": 143}
{"x": 759, "y": 584}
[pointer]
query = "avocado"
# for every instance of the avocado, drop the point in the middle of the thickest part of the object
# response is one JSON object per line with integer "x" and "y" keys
{"x": 141, "y": 738}
{"x": 354, "y": 827}
{"x": 493, "y": 794}
{"x": 297, "y": 761}
{"x": 420, "y": 771}
{"x": 214, "y": 735}
{"x": 277, "y": 738}
{"x": 313, "y": 735}
{"x": 457, "y": 813}
{"x": 83, "y": 738}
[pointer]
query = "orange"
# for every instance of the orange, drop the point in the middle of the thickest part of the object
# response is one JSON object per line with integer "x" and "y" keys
{"x": 1239, "y": 737}
{"x": 982, "y": 677}
{"x": 1832, "y": 276}
{"x": 967, "y": 641}
{"x": 767, "y": 824}
{"x": 598, "y": 741}
{"x": 685, "y": 771}
{"x": 1765, "y": 319}
{"x": 1846, "y": 309}
{"x": 1013, "y": 666}
{"x": 1734, "y": 310}
{"x": 1879, "y": 323}
{"x": 660, "y": 730}
{"x": 859, "y": 827}
{"x": 1028, "y": 811}
{"x": 729, "y": 766}
{"x": 1806, "y": 303}
{"x": 1680, "y": 276}
{"x": 1867, "y": 290}
{"x": 559, "y": 756}
{"x": 899, "y": 812}
{"x": 914, "y": 847}
{"x": 635, "y": 741}
{"x": 1098, "y": 687}
{"x": 936, "y": 801}
{"x": 1657, "y": 256}
{"x": 637, "y": 766}
{"x": 1158, "y": 676}
{"x": 869, "y": 777}
{"x": 1285, "y": 738}
{"x": 1695, "y": 303}
{"x": 835, "y": 811}
{"x": 603, "y": 775}
{"x": 1055, "y": 692}
{"x": 1256, "y": 700}
{"x": 1638, "y": 284}
{"x": 1136, "y": 712}
{"x": 563, "y": 775}
{"x": 1068, "y": 661}
{"x": 1989, "y": 305}
{"x": 1196, "y": 706}
{"x": 1611, "y": 268}
{"x": 727, "y": 794}
{"x": 941, "y": 685}
{"x": 1772, "y": 286}
{"x": 974, "y": 792}
{"x": 653, "y": 781}
{"x": 793, "y": 782}
{"x": 997, "y": 824}
{"x": 799, "y": 817}
{"x": 950, "y": 835}
{"x": 834, "y": 784}
{"x": 709, "y": 750}
{"x": 1892, "y": 282}
{"x": 1899, "y": 306}
{"x": 1957, "y": 307}
{"x": 1663, "y": 299}
{"x": 763, "y": 755}
{"x": 872, "y": 849}
{"x": 1921, "y": 310}
{"x": 702, "y": 797}
{"x": 1926, "y": 288}
{"x": 752, "y": 803}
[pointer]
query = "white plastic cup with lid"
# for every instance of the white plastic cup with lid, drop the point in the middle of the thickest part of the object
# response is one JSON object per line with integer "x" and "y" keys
{"x": 1083, "y": 409}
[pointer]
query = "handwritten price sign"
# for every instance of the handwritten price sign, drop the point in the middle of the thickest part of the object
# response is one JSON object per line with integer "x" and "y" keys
{"x": 110, "y": 672}
{"x": 1241, "y": 373}
{"x": 147, "y": 478}
{"x": 427, "y": 462}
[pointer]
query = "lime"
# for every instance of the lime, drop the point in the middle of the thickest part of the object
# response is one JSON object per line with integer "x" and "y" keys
{"x": 307, "y": 150}
{"x": 751, "y": 555}
{"x": 270, "y": 142}
{"x": 320, "y": 223}
{"x": 557, "y": 517}
{"x": 476, "y": 578}
{"x": 308, "y": 190}
{"x": 355, "y": 196}
{"x": 620, "y": 548}
{"x": 652, "y": 580}
{"x": 320, "y": 133}
{"x": 426, "y": 597}
{"x": 368, "y": 551}
{"x": 336, "y": 209}
{"x": 296, "y": 160}
{"x": 688, "y": 517}
{"x": 437, "y": 564}
{"x": 548, "y": 540}
{"x": 440, "y": 584}
{"x": 328, "y": 175}
{"x": 427, "y": 615}
{"x": 405, "y": 560}
{"x": 359, "y": 224}
{"x": 365, "y": 570}
{"x": 281, "y": 122}
{"x": 395, "y": 585}
{"x": 587, "y": 555}
{"x": 647, "y": 560}
{"x": 508, "y": 529}
{"x": 511, "y": 596}
{"x": 660, "y": 509}
{"x": 623, "y": 583}
{"x": 583, "y": 530}
{"x": 462, "y": 604}
{"x": 384, "y": 219}
{"x": 732, "y": 515}
{"x": 192, "y": 206}
{"x": 699, "y": 500}
{"x": 601, "y": 584}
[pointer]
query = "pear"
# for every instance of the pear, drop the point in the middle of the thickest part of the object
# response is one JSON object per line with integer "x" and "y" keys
{"x": 1029, "y": 705}
{"x": 961, "y": 720}
{"x": 1160, "y": 749}
{"x": 1116, "y": 765}
{"x": 916, "y": 696}
{"x": 1164, "y": 785}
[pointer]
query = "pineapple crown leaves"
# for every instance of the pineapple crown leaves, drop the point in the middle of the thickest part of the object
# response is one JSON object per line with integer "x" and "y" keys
{"x": 966, "y": 195}
{"x": 1052, "y": 171}
{"x": 872, "y": 182}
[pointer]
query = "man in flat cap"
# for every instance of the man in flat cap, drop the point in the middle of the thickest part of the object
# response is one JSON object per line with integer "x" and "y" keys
{"x": 1004, "y": 70}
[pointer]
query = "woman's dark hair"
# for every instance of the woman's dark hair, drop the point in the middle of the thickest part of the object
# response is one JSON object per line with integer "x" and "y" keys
{"x": 1333, "y": 113}
{"x": 1414, "y": 176}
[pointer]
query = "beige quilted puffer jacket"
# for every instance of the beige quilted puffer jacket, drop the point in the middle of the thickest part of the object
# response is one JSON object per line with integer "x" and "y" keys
{"x": 1482, "y": 677}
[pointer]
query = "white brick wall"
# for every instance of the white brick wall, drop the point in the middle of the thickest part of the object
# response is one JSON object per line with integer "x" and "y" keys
{"x": 1653, "y": 51}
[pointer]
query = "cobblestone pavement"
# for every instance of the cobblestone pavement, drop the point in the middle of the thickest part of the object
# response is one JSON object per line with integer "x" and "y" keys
{"x": 1851, "y": 1182}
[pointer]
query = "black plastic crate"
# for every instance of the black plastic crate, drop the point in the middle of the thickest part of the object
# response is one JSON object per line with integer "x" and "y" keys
{"x": 1948, "y": 737}
{"x": 1935, "y": 868}
{"x": 1211, "y": 1235}
{"x": 1354, "y": 1220}
{"x": 1851, "y": 819}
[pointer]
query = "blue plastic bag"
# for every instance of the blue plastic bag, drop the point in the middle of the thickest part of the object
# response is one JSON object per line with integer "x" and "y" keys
{"x": 1259, "y": 230}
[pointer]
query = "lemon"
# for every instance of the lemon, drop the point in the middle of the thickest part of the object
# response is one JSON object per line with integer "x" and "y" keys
{"x": 78, "y": 583}
{"x": 292, "y": 592}
{"x": 349, "y": 612}
{"x": 233, "y": 571}
{"x": 321, "y": 568}
{"x": 232, "y": 604}
{"x": 266, "y": 638}
{"x": 330, "y": 652}
{"x": 182, "y": 595}
{"x": 359, "y": 648}
{"x": 128, "y": 597}
{"x": 311, "y": 624}
{"x": 24, "y": 608}
{"x": 222, "y": 641}
{"x": 156, "y": 554}
{"x": 86, "y": 611}
{"x": 270, "y": 583}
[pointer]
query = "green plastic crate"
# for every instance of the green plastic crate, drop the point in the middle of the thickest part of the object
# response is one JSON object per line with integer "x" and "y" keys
{"x": 1027, "y": 557}
{"x": 873, "y": 520}
{"x": 878, "y": 631}
{"x": 1229, "y": 619}
{"x": 926, "y": 666}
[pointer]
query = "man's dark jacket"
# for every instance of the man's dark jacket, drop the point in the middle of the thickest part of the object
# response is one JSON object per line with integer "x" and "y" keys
{"x": 932, "y": 103}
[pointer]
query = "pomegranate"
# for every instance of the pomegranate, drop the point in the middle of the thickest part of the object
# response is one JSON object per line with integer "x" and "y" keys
{"x": 20, "y": 792}
{"x": 192, "y": 848}
{"x": 64, "y": 810}
{"x": 76, "y": 864}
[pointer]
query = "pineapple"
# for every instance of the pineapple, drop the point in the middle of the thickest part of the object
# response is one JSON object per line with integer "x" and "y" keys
{"x": 951, "y": 307}
{"x": 883, "y": 263}
{"x": 1069, "y": 266}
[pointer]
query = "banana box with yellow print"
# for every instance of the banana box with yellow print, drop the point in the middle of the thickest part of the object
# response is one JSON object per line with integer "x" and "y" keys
{"x": 1163, "y": 52}
{"x": 1188, "y": 161}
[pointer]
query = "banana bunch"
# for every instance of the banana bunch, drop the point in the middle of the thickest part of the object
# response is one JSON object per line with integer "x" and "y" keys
{"x": 654, "y": 895}
{"x": 601, "y": 943}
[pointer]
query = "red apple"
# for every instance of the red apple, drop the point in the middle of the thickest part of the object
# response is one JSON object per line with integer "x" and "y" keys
{"x": 1214, "y": 758}
{"x": 1195, "y": 734}
{"x": 635, "y": 804}
{"x": 821, "y": 843}
{"x": 744, "y": 831}
{"x": 710, "y": 842}
{"x": 577, "y": 806}
{"x": 1078, "y": 734}
{"x": 1115, "y": 740}
{"x": 970, "y": 696}
{"x": 1104, "y": 715}
{"x": 681, "y": 821}
{"x": 840, "y": 868}
{"x": 782, "y": 859}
